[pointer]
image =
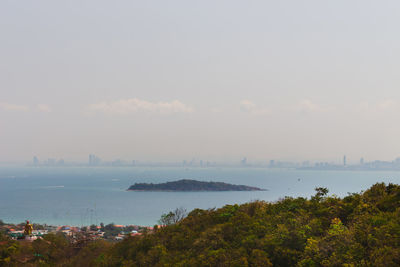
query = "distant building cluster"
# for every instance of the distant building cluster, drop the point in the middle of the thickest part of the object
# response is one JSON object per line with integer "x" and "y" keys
{"x": 94, "y": 160}
{"x": 195, "y": 163}
{"x": 362, "y": 165}
{"x": 48, "y": 162}
{"x": 78, "y": 234}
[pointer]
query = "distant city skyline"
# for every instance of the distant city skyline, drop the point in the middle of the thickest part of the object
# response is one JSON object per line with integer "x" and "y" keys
{"x": 96, "y": 161}
{"x": 219, "y": 81}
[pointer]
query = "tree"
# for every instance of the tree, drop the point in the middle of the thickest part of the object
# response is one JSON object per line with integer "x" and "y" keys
{"x": 173, "y": 217}
{"x": 321, "y": 191}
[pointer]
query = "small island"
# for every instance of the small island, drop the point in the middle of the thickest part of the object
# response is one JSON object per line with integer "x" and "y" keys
{"x": 187, "y": 185}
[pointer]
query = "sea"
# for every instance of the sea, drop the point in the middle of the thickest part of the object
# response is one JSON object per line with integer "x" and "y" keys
{"x": 92, "y": 195}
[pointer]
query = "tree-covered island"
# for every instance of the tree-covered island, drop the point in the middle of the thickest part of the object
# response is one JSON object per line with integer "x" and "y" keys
{"x": 191, "y": 185}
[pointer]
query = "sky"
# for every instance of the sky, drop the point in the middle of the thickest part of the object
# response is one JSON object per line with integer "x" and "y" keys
{"x": 212, "y": 80}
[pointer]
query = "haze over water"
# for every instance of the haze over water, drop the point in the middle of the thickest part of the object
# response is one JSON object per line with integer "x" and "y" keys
{"x": 83, "y": 195}
{"x": 218, "y": 81}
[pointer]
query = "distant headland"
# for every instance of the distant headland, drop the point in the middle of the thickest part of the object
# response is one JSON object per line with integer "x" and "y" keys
{"x": 187, "y": 185}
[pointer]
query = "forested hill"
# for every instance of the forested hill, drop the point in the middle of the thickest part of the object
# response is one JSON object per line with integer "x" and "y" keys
{"x": 357, "y": 230}
{"x": 191, "y": 185}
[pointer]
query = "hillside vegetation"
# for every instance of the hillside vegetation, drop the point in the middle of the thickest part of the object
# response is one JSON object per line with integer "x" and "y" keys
{"x": 357, "y": 230}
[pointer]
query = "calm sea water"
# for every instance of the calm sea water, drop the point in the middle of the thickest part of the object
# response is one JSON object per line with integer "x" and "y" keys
{"x": 82, "y": 195}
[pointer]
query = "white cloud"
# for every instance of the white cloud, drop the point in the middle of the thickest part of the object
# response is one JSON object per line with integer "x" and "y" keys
{"x": 43, "y": 108}
{"x": 387, "y": 105}
{"x": 250, "y": 107}
{"x": 13, "y": 107}
{"x": 247, "y": 105}
{"x": 132, "y": 105}
{"x": 307, "y": 105}
{"x": 380, "y": 106}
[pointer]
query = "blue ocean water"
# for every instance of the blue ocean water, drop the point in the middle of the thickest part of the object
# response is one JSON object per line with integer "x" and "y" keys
{"x": 84, "y": 195}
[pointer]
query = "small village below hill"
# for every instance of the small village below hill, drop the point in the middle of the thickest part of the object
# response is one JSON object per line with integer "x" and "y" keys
{"x": 75, "y": 234}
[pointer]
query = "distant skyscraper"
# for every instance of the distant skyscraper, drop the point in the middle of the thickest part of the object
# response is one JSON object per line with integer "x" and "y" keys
{"x": 272, "y": 163}
{"x": 35, "y": 161}
{"x": 362, "y": 161}
{"x": 344, "y": 160}
{"x": 244, "y": 161}
{"x": 93, "y": 160}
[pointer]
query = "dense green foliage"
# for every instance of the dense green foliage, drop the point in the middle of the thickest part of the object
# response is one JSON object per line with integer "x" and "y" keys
{"x": 357, "y": 230}
{"x": 191, "y": 185}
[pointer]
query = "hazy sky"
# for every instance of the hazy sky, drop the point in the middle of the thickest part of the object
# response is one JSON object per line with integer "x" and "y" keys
{"x": 216, "y": 80}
